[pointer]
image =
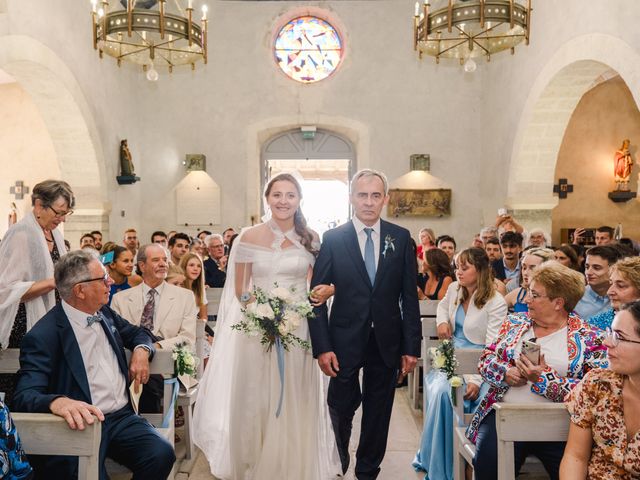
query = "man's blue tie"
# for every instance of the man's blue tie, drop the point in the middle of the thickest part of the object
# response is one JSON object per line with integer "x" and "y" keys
{"x": 370, "y": 256}
{"x": 93, "y": 319}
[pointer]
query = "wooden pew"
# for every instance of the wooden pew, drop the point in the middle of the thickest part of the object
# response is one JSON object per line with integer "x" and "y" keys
{"x": 428, "y": 317}
{"x": 463, "y": 449}
{"x": 213, "y": 298}
{"x": 48, "y": 434}
{"x": 187, "y": 399}
{"x": 530, "y": 422}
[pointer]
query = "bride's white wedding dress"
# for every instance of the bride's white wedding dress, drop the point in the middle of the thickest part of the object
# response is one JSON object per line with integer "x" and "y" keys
{"x": 235, "y": 415}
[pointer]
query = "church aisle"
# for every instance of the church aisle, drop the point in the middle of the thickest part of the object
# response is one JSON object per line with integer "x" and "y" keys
{"x": 404, "y": 436}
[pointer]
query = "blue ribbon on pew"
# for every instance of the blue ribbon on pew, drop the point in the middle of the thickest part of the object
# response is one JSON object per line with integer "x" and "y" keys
{"x": 280, "y": 355}
{"x": 168, "y": 417}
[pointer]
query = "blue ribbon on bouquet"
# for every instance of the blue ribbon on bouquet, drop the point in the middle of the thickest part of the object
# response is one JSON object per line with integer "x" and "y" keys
{"x": 280, "y": 354}
{"x": 169, "y": 415}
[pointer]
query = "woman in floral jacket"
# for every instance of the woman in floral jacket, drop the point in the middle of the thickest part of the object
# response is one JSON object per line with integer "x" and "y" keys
{"x": 569, "y": 348}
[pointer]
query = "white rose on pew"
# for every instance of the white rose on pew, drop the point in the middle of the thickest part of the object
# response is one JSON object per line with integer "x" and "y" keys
{"x": 189, "y": 360}
{"x": 282, "y": 293}
{"x": 264, "y": 310}
{"x": 455, "y": 381}
{"x": 438, "y": 360}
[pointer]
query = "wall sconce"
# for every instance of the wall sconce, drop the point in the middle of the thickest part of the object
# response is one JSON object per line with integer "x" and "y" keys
{"x": 420, "y": 162}
{"x": 195, "y": 162}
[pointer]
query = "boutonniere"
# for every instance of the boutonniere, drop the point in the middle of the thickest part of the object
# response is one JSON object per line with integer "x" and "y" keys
{"x": 388, "y": 245}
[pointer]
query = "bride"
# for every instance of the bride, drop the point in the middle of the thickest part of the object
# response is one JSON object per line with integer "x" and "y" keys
{"x": 235, "y": 416}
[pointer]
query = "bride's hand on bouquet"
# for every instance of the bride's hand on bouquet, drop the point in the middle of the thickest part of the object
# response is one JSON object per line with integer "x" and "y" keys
{"x": 321, "y": 293}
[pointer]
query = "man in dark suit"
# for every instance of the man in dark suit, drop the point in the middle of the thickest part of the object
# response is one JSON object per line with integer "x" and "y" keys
{"x": 374, "y": 324}
{"x": 215, "y": 265}
{"x": 72, "y": 364}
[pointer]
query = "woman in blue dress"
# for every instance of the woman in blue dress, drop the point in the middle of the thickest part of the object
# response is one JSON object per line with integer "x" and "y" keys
{"x": 120, "y": 269}
{"x": 470, "y": 313}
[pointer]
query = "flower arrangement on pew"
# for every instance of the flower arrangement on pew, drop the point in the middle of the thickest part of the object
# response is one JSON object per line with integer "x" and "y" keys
{"x": 443, "y": 358}
{"x": 186, "y": 363}
{"x": 274, "y": 315}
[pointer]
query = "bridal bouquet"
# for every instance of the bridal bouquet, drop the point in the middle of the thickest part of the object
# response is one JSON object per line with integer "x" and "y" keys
{"x": 443, "y": 358}
{"x": 274, "y": 315}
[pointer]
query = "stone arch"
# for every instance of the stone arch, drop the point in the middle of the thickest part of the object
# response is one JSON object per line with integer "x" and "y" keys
{"x": 574, "y": 68}
{"x": 355, "y": 133}
{"x": 66, "y": 114}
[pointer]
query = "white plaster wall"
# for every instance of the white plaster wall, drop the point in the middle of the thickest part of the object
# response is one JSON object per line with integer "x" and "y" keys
{"x": 386, "y": 101}
{"x": 30, "y": 158}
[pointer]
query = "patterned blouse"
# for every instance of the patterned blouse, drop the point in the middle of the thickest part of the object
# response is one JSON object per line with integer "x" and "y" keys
{"x": 596, "y": 403}
{"x": 585, "y": 352}
{"x": 13, "y": 461}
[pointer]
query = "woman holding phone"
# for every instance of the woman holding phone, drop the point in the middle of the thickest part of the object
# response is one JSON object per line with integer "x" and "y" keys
{"x": 568, "y": 349}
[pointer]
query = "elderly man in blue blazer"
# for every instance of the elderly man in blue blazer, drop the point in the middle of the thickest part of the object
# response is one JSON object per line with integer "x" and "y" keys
{"x": 72, "y": 364}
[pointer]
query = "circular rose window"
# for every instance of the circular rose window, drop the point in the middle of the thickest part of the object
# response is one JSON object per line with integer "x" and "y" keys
{"x": 308, "y": 49}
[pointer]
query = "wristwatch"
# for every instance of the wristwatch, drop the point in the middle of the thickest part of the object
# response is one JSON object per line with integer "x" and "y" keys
{"x": 245, "y": 297}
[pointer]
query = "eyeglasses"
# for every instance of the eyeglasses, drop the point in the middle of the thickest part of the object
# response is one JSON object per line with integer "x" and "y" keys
{"x": 60, "y": 214}
{"x": 535, "y": 295}
{"x": 106, "y": 278}
{"x": 616, "y": 339}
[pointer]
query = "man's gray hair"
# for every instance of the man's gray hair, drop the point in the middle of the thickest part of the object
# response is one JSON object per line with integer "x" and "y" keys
{"x": 368, "y": 172}
{"x": 71, "y": 269}
{"x": 493, "y": 231}
{"x": 211, "y": 237}
{"x": 142, "y": 252}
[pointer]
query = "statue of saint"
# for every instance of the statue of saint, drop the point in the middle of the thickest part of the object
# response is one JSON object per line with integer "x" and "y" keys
{"x": 13, "y": 214}
{"x": 622, "y": 163}
{"x": 126, "y": 164}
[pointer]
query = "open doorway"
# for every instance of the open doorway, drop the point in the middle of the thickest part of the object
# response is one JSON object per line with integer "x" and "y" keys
{"x": 325, "y": 189}
{"x": 325, "y": 161}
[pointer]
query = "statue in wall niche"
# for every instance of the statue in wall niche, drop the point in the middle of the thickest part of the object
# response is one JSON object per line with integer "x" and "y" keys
{"x": 622, "y": 163}
{"x": 126, "y": 163}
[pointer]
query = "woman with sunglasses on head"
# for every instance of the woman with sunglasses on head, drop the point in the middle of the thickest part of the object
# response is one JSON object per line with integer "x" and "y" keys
{"x": 568, "y": 348}
{"x": 604, "y": 435}
{"x": 121, "y": 269}
{"x": 28, "y": 252}
{"x": 624, "y": 280}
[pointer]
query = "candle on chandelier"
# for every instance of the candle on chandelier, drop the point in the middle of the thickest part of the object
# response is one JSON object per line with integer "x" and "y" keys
{"x": 204, "y": 12}
{"x": 94, "y": 6}
{"x": 190, "y": 5}
{"x": 417, "y": 9}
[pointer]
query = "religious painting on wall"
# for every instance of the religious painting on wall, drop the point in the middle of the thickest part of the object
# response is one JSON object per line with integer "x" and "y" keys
{"x": 419, "y": 203}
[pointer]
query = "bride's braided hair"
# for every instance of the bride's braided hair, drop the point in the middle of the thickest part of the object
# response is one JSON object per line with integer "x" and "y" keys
{"x": 299, "y": 222}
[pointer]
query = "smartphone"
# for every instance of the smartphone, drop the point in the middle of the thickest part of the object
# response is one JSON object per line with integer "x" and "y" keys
{"x": 502, "y": 212}
{"x": 531, "y": 350}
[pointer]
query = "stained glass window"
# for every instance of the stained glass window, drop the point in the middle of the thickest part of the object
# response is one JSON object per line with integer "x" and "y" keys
{"x": 308, "y": 49}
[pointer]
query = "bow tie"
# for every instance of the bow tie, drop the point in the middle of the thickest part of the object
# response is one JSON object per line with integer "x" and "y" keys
{"x": 91, "y": 319}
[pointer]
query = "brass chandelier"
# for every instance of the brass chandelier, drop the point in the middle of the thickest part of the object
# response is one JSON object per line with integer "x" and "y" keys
{"x": 467, "y": 29}
{"x": 147, "y": 33}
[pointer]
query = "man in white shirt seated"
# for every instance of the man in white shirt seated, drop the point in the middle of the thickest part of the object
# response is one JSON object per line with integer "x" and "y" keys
{"x": 72, "y": 364}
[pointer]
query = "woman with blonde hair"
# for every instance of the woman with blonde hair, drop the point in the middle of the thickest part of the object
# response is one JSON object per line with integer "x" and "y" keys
{"x": 530, "y": 260}
{"x": 470, "y": 313}
{"x": 427, "y": 241}
{"x": 624, "y": 279}
{"x": 191, "y": 265}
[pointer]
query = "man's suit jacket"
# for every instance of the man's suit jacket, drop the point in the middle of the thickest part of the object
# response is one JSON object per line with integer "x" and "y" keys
{"x": 51, "y": 364}
{"x": 175, "y": 316}
{"x": 391, "y": 303}
{"x": 498, "y": 269}
{"x": 213, "y": 276}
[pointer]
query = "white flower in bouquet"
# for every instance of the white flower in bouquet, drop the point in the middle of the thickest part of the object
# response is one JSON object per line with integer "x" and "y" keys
{"x": 264, "y": 310}
{"x": 293, "y": 319}
{"x": 438, "y": 360}
{"x": 282, "y": 293}
{"x": 251, "y": 308}
{"x": 455, "y": 381}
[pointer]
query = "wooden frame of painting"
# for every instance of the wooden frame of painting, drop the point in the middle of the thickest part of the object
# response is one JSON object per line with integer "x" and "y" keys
{"x": 419, "y": 203}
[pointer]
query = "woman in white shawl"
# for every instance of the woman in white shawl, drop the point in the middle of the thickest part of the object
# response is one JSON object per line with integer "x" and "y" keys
{"x": 28, "y": 252}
